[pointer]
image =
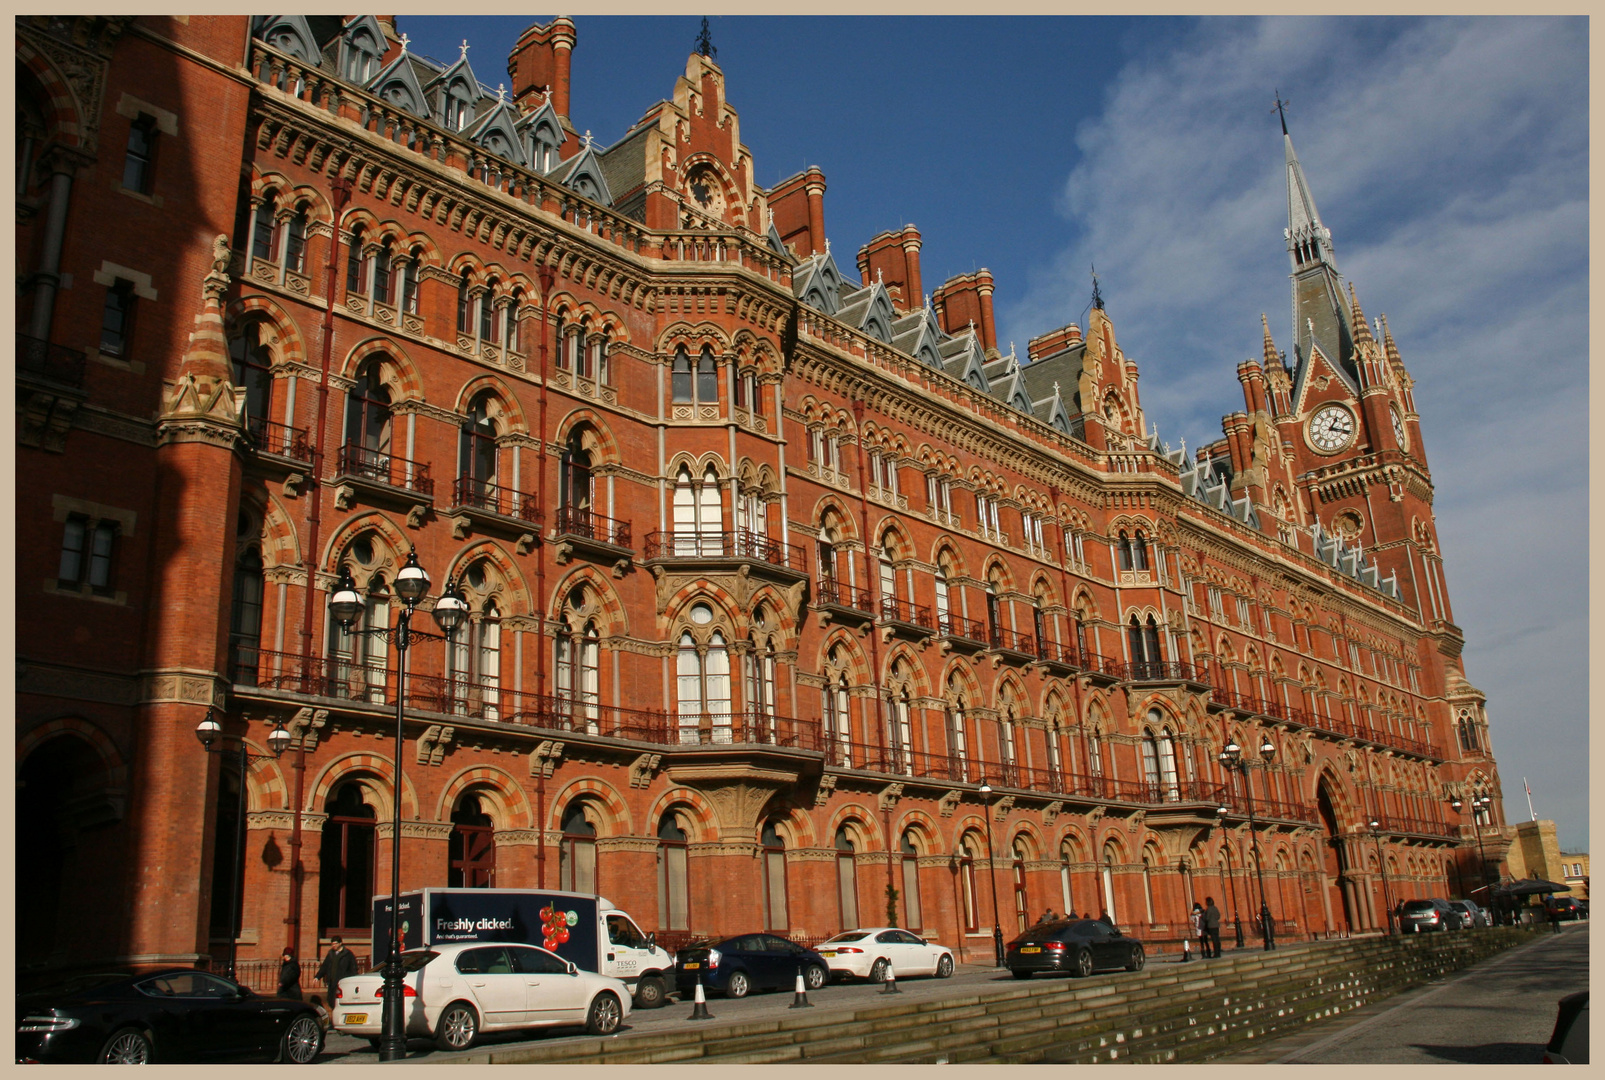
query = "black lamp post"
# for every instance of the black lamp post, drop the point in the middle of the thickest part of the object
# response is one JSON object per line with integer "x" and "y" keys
{"x": 1232, "y": 758}
{"x": 1479, "y": 803}
{"x": 346, "y": 605}
{"x": 1231, "y": 878}
{"x": 992, "y": 875}
{"x": 209, "y": 731}
{"x": 1387, "y": 897}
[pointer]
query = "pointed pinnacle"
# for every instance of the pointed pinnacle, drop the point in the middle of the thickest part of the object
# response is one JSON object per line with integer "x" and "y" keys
{"x": 1387, "y": 342}
{"x": 1271, "y": 355}
{"x": 1362, "y": 332}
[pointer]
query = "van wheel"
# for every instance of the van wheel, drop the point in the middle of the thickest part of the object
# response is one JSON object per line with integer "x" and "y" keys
{"x": 458, "y": 1027}
{"x": 605, "y": 1015}
{"x": 649, "y": 993}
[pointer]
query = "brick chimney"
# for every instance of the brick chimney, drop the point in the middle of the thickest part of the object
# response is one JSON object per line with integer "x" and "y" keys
{"x": 797, "y": 209}
{"x": 965, "y": 299}
{"x": 540, "y": 59}
{"x": 895, "y": 258}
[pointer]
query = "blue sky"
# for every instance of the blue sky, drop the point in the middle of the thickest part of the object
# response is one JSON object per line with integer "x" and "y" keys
{"x": 1449, "y": 157}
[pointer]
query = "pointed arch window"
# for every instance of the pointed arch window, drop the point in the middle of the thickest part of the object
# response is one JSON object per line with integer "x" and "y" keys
{"x": 465, "y": 306}
{"x": 345, "y": 862}
{"x": 577, "y": 856}
{"x": 902, "y": 732}
{"x": 1022, "y": 901}
{"x": 368, "y": 417}
{"x": 382, "y": 261}
{"x": 245, "y": 617}
{"x": 359, "y": 660}
{"x": 357, "y": 263}
{"x": 488, "y": 326}
{"x": 262, "y": 236}
{"x": 673, "y": 873}
{"x": 574, "y": 481}
{"x": 510, "y": 313}
{"x": 846, "y": 879}
{"x": 913, "y": 915}
{"x": 838, "y": 717}
{"x": 957, "y": 739}
{"x": 680, "y": 376}
{"x": 942, "y": 599}
{"x": 253, "y": 371}
{"x": 471, "y": 848}
{"x": 967, "y": 855}
{"x": 703, "y": 684}
{"x": 707, "y": 378}
{"x": 1066, "y": 859}
{"x": 477, "y": 447}
{"x": 295, "y": 240}
{"x": 774, "y": 879}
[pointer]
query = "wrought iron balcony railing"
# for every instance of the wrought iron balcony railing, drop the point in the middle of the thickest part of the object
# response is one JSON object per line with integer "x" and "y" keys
{"x": 587, "y": 524}
{"x": 495, "y": 499}
{"x": 383, "y": 468}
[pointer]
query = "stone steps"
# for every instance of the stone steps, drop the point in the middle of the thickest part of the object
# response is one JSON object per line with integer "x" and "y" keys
{"x": 1170, "y": 1012}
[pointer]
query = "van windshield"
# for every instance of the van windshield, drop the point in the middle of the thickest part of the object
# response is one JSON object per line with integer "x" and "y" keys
{"x": 621, "y": 931}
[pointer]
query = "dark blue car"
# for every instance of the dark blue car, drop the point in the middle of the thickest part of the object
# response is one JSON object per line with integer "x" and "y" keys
{"x": 739, "y": 965}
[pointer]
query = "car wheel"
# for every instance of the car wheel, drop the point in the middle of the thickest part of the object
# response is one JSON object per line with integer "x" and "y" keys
{"x": 1083, "y": 963}
{"x": 877, "y": 970}
{"x": 302, "y": 1042}
{"x": 127, "y": 1047}
{"x": 649, "y": 993}
{"x": 815, "y": 976}
{"x": 458, "y": 1027}
{"x": 738, "y": 985}
{"x": 1138, "y": 959}
{"x": 944, "y": 967}
{"x": 604, "y": 1016}
{"x": 1020, "y": 974}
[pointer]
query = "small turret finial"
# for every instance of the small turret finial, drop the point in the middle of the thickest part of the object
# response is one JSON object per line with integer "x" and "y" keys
{"x": 705, "y": 41}
{"x": 1097, "y": 294}
{"x": 464, "y": 47}
{"x": 404, "y": 40}
{"x": 587, "y": 141}
{"x": 1279, "y": 110}
{"x": 501, "y": 92}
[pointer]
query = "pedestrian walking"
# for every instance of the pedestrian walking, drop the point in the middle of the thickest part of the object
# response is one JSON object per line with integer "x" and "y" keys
{"x": 289, "y": 975}
{"x": 1104, "y": 918}
{"x": 1047, "y": 917}
{"x": 1195, "y": 919}
{"x": 1211, "y": 919}
{"x": 338, "y": 963}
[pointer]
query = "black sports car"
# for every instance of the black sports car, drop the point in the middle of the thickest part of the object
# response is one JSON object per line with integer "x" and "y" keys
{"x": 1079, "y": 946}
{"x": 175, "y": 1015}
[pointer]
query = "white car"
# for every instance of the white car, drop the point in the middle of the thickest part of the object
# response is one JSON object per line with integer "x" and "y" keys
{"x": 454, "y": 992}
{"x": 867, "y": 953}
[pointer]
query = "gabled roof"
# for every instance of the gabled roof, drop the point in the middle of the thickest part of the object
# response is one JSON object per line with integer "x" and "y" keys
{"x": 583, "y": 174}
{"x": 624, "y": 163}
{"x": 398, "y": 84}
{"x": 1061, "y": 370}
{"x": 497, "y": 131}
{"x": 918, "y": 335}
{"x": 817, "y": 282}
{"x": 302, "y": 36}
{"x": 868, "y": 309}
{"x": 963, "y": 358}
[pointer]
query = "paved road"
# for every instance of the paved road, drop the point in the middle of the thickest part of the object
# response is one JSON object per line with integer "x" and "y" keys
{"x": 1500, "y": 1012}
{"x": 346, "y": 1049}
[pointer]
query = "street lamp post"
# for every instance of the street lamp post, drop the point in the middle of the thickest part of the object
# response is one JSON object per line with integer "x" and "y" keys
{"x": 345, "y": 604}
{"x": 208, "y": 731}
{"x": 1231, "y": 756}
{"x": 1478, "y": 803}
{"x": 1387, "y": 897}
{"x": 1231, "y": 878}
{"x": 992, "y": 875}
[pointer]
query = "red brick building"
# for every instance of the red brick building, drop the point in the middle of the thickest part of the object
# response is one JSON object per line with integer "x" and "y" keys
{"x": 769, "y": 566}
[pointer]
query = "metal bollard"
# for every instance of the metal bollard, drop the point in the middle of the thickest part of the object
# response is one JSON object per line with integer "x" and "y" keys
{"x": 799, "y": 998}
{"x": 699, "y": 1011}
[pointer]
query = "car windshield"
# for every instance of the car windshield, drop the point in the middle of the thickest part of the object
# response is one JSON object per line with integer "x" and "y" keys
{"x": 852, "y": 935}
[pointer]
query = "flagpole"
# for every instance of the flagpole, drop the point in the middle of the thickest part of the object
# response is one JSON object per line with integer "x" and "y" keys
{"x": 1530, "y": 812}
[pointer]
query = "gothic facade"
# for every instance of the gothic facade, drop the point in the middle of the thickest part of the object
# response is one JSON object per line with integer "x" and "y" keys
{"x": 793, "y": 602}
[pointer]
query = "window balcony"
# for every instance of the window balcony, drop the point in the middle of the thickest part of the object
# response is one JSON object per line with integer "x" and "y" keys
{"x": 581, "y": 530}
{"x": 48, "y": 362}
{"x": 739, "y": 547}
{"x": 281, "y": 441}
{"x": 50, "y": 387}
{"x": 1012, "y": 645}
{"x": 1410, "y": 826}
{"x": 961, "y": 634}
{"x": 384, "y": 477}
{"x": 1161, "y": 671}
{"x": 752, "y": 728}
{"x": 1058, "y": 658}
{"x": 840, "y": 601}
{"x": 903, "y": 618}
{"x": 1102, "y": 668}
{"x": 494, "y": 509}
{"x": 1268, "y": 809}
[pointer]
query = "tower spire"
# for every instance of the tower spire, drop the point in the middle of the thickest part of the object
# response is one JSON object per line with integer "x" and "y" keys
{"x": 1320, "y": 311}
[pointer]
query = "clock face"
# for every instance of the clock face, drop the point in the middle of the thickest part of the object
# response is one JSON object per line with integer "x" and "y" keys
{"x": 1398, "y": 431}
{"x": 1331, "y": 428}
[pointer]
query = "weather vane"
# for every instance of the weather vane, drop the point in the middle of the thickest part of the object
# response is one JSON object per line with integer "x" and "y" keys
{"x": 1278, "y": 110}
{"x": 705, "y": 41}
{"x": 1097, "y": 296}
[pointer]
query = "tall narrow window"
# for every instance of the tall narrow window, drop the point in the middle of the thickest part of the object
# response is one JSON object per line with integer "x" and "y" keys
{"x": 262, "y": 236}
{"x": 245, "y": 617}
{"x": 967, "y": 849}
{"x": 1022, "y": 902}
{"x": 345, "y": 862}
{"x": 846, "y": 880}
{"x": 707, "y": 378}
{"x": 673, "y": 886}
{"x": 356, "y": 263}
{"x": 574, "y": 476}
{"x": 295, "y": 241}
{"x": 368, "y": 417}
{"x": 139, "y": 163}
{"x": 487, "y": 315}
{"x": 774, "y": 879}
{"x": 902, "y": 732}
{"x": 680, "y": 376}
{"x": 117, "y": 318}
{"x": 465, "y": 306}
{"x": 710, "y": 510}
{"x": 838, "y": 719}
{"x": 471, "y": 848}
{"x": 956, "y": 738}
{"x": 252, "y": 363}
{"x": 913, "y": 916}
{"x": 477, "y": 450}
{"x": 577, "y": 860}
{"x": 382, "y": 261}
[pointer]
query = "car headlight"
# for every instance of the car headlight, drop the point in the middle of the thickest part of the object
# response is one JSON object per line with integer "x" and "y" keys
{"x": 46, "y": 1024}
{"x": 714, "y": 956}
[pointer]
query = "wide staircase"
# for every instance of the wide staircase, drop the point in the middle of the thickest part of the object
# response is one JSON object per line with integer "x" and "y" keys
{"x": 1167, "y": 1012}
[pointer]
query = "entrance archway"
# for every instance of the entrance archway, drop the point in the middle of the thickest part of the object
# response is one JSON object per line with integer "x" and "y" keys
{"x": 1334, "y": 861}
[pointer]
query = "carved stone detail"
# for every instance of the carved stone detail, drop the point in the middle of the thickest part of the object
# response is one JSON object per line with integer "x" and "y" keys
{"x": 433, "y": 742}
{"x": 949, "y": 803}
{"x": 643, "y": 768}
{"x": 544, "y": 758}
{"x": 827, "y": 784}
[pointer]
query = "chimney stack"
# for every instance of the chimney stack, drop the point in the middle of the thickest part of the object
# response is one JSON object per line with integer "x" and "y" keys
{"x": 966, "y": 299}
{"x": 797, "y": 210}
{"x": 540, "y": 59}
{"x": 896, "y": 258}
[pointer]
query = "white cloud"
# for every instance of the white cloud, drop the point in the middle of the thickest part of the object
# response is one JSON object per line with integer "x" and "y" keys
{"x": 1449, "y": 158}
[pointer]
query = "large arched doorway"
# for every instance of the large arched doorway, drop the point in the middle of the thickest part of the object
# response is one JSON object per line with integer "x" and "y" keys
{"x": 1334, "y": 896}
{"x": 61, "y": 794}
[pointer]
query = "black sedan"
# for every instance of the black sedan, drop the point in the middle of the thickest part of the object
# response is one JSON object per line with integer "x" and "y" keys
{"x": 1079, "y": 946}
{"x": 175, "y": 1015}
{"x": 747, "y": 962}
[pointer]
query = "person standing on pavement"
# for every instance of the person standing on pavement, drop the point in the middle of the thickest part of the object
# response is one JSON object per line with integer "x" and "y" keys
{"x": 1196, "y": 920}
{"x": 289, "y": 975}
{"x": 338, "y": 963}
{"x": 1211, "y": 927}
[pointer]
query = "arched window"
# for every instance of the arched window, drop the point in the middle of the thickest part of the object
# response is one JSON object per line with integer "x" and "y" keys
{"x": 846, "y": 879}
{"x": 888, "y": 573}
{"x": 465, "y": 306}
{"x": 826, "y": 554}
{"x": 760, "y": 661}
{"x": 511, "y": 319}
{"x": 1150, "y": 765}
{"x": 1055, "y": 764}
{"x": 295, "y": 240}
{"x": 345, "y": 863}
{"x": 968, "y": 848}
{"x": 1467, "y": 727}
{"x": 913, "y": 915}
{"x": 1139, "y": 551}
{"x": 488, "y": 662}
{"x": 698, "y": 513}
{"x": 994, "y": 612}
{"x": 368, "y": 422}
{"x": 957, "y": 739}
{"x": 707, "y": 378}
{"x": 673, "y": 886}
{"x": 487, "y": 313}
{"x": 902, "y": 732}
{"x": 574, "y": 475}
{"x": 1022, "y": 902}
{"x": 471, "y": 849}
{"x": 577, "y": 859}
{"x": 838, "y": 718}
{"x": 1123, "y": 550}
{"x": 357, "y": 263}
{"x": 1006, "y": 746}
{"x": 1066, "y": 858}
{"x": 253, "y": 371}
{"x": 359, "y": 659}
{"x": 576, "y": 649}
{"x": 1167, "y": 765}
{"x": 245, "y": 616}
{"x": 1108, "y": 874}
{"x": 262, "y": 236}
{"x": 774, "y": 879}
{"x": 680, "y": 376}
{"x": 381, "y": 272}
{"x": 703, "y": 682}
{"x": 409, "y": 282}
{"x": 477, "y": 452}
{"x": 1148, "y": 884}
{"x": 943, "y": 610}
